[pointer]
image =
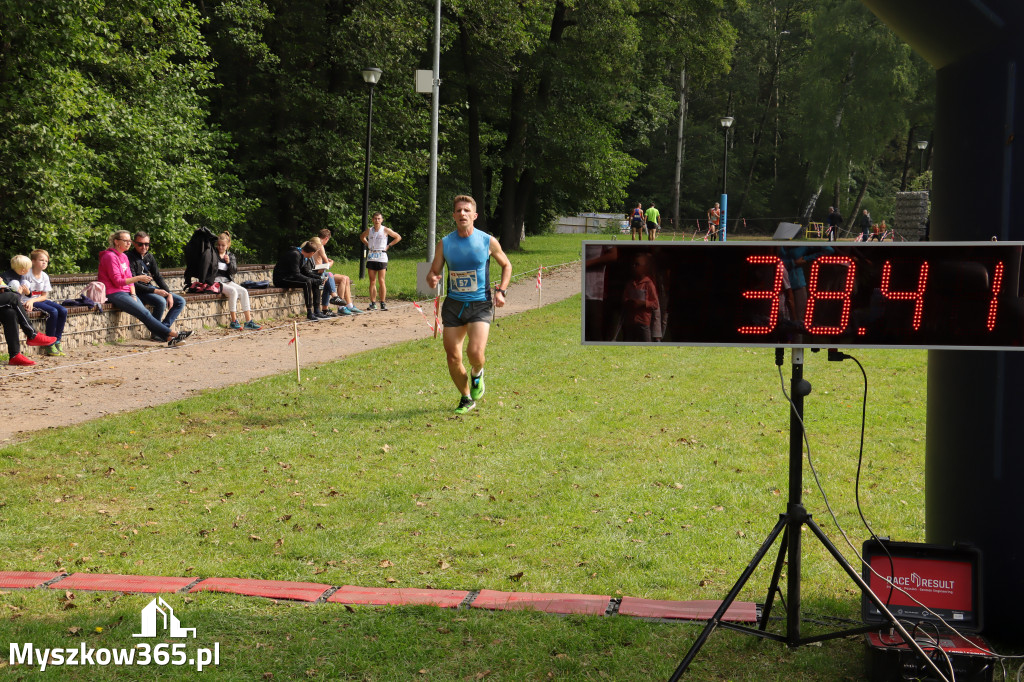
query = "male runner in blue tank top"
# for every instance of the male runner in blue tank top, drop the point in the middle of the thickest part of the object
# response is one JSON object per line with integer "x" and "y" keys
{"x": 467, "y": 309}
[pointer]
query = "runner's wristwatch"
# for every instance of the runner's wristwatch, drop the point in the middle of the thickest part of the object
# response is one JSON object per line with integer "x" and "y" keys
{"x": 500, "y": 291}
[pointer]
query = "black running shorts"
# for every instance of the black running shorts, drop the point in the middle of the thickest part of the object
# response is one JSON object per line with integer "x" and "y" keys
{"x": 458, "y": 313}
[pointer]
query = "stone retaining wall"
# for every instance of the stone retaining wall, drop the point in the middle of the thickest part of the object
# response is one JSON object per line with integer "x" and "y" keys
{"x": 70, "y": 286}
{"x": 84, "y": 326}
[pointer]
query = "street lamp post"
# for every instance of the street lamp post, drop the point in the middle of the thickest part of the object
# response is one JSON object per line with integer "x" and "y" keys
{"x": 371, "y": 76}
{"x": 726, "y": 122}
{"x": 922, "y": 145}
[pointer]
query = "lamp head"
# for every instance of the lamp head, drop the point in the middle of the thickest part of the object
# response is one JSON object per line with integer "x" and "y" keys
{"x": 372, "y": 75}
{"x": 922, "y": 144}
{"x": 726, "y": 121}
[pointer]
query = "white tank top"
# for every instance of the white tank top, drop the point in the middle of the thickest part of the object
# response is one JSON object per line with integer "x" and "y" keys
{"x": 376, "y": 241}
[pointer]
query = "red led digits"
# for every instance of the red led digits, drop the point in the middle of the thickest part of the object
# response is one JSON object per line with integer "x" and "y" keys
{"x": 814, "y": 294}
{"x": 993, "y": 305}
{"x": 772, "y": 295}
{"x": 916, "y": 296}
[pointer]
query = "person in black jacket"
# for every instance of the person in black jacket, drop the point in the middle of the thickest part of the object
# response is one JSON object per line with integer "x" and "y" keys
{"x": 834, "y": 221}
{"x": 159, "y": 297}
{"x": 865, "y": 224}
{"x": 294, "y": 270}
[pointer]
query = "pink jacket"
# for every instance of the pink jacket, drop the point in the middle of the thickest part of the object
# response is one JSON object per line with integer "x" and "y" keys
{"x": 114, "y": 271}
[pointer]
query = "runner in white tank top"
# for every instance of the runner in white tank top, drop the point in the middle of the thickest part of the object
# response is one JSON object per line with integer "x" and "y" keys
{"x": 376, "y": 241}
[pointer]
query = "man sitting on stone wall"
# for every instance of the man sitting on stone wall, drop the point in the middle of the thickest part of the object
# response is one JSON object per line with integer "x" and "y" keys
{"x": 159, "y": 297}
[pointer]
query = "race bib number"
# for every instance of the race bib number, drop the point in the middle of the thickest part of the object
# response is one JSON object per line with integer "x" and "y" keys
{"x": 462, "y": 281}
{"x": 376, "y": 255}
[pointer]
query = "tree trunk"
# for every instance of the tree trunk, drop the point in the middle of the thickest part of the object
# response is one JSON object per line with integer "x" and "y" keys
{"x": 812, "y": 201}
{"x": 773, "y": 96}
{"x": 906, "y": 158}
{"x": 516, "y": 179}
{"x": 511, "y": 168}
{"x": 476, "y": 166}
{"x": 856, "y": 205}
{"x": 680, "y": 148}
{"x": 837, "y": 122}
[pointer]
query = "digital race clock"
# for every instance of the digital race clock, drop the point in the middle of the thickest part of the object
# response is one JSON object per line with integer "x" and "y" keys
{"x": 804, "y": 294}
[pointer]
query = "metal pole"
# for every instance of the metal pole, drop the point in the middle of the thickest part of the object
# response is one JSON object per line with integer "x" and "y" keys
{"x": 366, "y": 183}
{"x": 798, "y": 388}
{"x": 435, "y": 99}
{"x": 725, "y": 195}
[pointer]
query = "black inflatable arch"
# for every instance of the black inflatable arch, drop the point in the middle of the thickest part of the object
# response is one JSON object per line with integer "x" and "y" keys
{"x": 975, "y": 450}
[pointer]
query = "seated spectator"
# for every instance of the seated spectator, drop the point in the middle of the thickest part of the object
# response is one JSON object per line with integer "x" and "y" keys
{"x": 116, "y": 275}
{"x": 294, "y": 270}
{"x": 227, "y": 266}
{"x": 337, "y": 288}
{"x": 39, "y": 298}
{"x": 12, "y": 316}
{"x": 13, "y": 276}
{"x": 159, "y": 297}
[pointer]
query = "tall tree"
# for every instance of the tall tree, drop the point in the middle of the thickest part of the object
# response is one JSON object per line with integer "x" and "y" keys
{"x": 295, "y": 103}
{"x": 104, "y": 127}
{"x": 857, "y": 84}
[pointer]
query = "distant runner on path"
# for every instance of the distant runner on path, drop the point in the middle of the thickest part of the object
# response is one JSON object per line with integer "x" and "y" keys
{"x": 653, "y": 217}
{"x": 467, "y": 308}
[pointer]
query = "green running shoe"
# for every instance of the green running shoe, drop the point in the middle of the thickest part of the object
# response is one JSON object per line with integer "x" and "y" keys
{"x": 476, "y": 386}
{"x": 465, "y": 405}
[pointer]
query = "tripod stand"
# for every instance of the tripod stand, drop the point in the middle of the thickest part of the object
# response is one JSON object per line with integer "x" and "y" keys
{"x": 789, "y": 527}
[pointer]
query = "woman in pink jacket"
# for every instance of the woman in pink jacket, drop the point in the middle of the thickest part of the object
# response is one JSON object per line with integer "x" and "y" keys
{"x": 116, "y": 276}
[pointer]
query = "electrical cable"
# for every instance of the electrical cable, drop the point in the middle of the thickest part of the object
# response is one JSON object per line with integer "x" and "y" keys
{"x": 828, "y": 506}
{"x": 834, "y": 356}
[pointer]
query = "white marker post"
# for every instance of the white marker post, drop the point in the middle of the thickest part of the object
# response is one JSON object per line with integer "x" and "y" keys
{"x": 540, "y": 272}
{"x": 295, "y": 339}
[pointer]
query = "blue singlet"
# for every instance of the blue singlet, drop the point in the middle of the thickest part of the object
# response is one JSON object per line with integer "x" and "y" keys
{"x": 468, "y": 260}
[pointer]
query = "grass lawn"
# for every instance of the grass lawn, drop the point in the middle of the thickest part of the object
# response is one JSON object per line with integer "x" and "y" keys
{"x": 644, "y": 472}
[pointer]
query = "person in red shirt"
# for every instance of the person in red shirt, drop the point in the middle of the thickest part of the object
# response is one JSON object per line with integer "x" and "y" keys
{"x": 639, "y": 301}
{"x": 714, "y": 215}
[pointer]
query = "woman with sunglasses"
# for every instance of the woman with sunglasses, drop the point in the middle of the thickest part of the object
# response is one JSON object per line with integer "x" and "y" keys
{"x": 116, "y": 275}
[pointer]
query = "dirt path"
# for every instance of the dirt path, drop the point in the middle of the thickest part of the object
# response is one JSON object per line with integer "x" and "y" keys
{"x": 93, "y": 382}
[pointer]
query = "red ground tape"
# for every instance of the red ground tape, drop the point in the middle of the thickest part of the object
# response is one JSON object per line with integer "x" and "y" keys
{"x": 109, "y": 582}
{"x": 350, "y": 594}
{"x": 743, "y": 612}
{"x": 25, "y": 578}
{"x": 274, "y": 589}
{"x": 590, "y": 604}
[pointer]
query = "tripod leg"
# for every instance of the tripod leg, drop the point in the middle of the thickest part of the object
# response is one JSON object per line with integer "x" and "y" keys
{"x": 730, "y": 598}
{"x": 773, "y": 587}
{"x": 866, "y": 589}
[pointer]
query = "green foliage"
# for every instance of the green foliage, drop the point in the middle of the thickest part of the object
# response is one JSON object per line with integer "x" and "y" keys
{"x": 250, "y": 115}
{"x": 105, "y": 127}
{"x": 295, "y": 105}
